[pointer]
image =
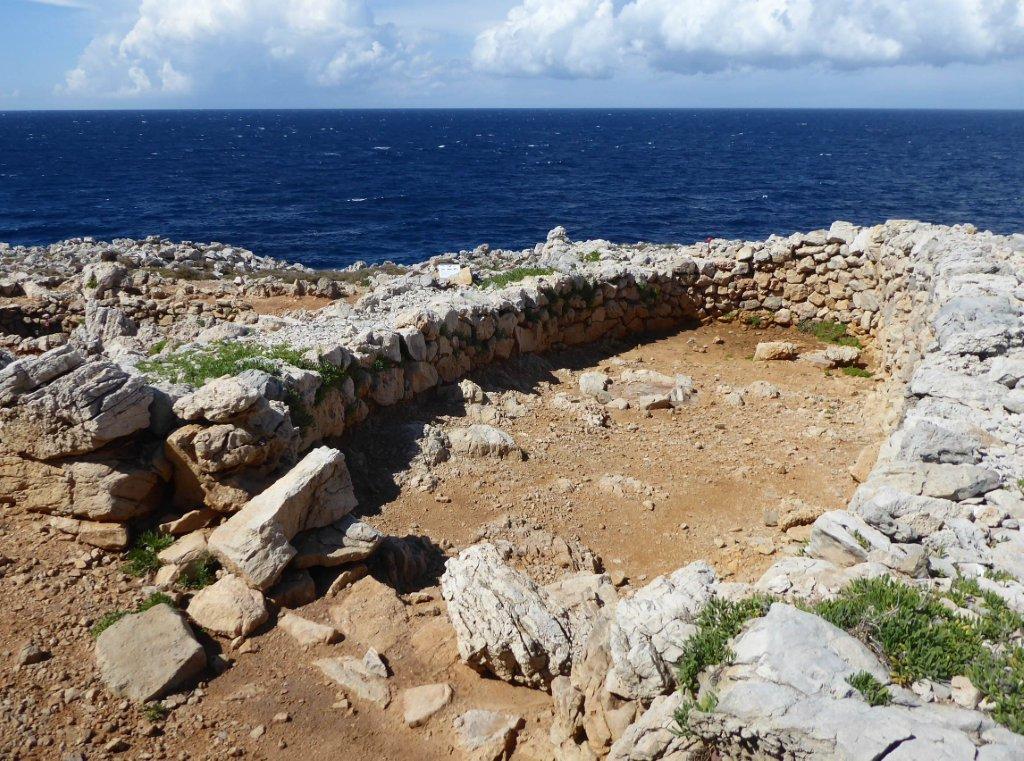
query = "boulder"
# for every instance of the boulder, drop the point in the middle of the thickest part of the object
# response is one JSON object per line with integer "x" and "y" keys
{"x": 254, "y": 542}
{"x": 505, "y": 623}
{"x": 650, "y": 628}
{"x": 482, "y": 441}
{"x": 229, "y": 608}
{"x": 29, "y": 373}
{"x": 147, "y": 655}
{"x": 346, "y": 541}
{"x": 77, "y": 413}
{"x": 224, "y": 399}
{"x": 776, "y": 350}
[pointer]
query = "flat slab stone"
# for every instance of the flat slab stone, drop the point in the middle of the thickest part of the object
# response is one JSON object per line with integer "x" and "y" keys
{"x": 420, "y": 703}
{"x": 150, "y": 654}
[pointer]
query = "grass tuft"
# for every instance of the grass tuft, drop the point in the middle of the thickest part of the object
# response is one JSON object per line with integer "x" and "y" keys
{"x": 706, "y": 704}
{"x": 155, "y": 712}
{"x": 857, "y": 372}
{"x": 142, "y": 558}
{"x": 719, "y": 622}
{"x": 199, "y": 575}
{"x": 829, "y": 332}
{"x": 873, "y": 691}
{"x": 109, "y": 619}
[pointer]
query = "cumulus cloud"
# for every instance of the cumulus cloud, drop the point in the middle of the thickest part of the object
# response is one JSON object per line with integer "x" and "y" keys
{"x": 592, "y": 38}
{"x": 173, "y": 44}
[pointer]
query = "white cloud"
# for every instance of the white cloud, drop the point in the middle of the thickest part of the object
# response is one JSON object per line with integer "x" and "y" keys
{"x": 174, "y": 46}
{"x": 589, "y": 38}
{"x": 61, "y": 3}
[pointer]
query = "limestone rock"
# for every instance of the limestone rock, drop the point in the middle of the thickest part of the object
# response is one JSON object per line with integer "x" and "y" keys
{"x": 305, "y": 632}
{"x": 150, "y": 654}
{"x": 371, "y": 614}
{"x": 487, "y": 735}
{"x": 787, "y": 694}
{"x": 420, "y": 703}
{"x": 844, "y": 539}
{"x": 29, "y": 373}
{"x": 776, "y": 350}
{"x": 228, "y": 607}
{"x": 77, "y": 413}
{"x": 505, "y": 623}
{"x": 482, "y": 441}
{"x": 254, "y": 542}
{"x": 223, "y": 399}
{"x": 650, "y": 628}
{"x": 106, "y": 536}
{"x": 360, "y": 677}
{"x": 346, "y": 541}
{"x": 655, "y": 735}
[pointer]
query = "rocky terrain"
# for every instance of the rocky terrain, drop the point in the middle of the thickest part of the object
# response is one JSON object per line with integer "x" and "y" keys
{"x": 727, "y": 500}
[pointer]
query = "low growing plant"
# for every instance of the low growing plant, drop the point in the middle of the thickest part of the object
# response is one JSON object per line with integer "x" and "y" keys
{"x": 829, "y": 332}
{"x": 142, "y": 558}
{"x": 873, "y": 691}
{"x": 857, "y": 372}
{"x": 502, "y": 279}
{"x": 109, "y": 619}
{"x": 719, "y": 622}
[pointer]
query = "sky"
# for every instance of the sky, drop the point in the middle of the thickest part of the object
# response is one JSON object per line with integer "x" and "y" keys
{"x": 70, "y": 54}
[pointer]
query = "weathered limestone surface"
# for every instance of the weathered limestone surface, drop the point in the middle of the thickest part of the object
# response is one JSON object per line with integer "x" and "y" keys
{"x": 148, "y": 655}
{"x": 255, "y": 542}
{"x": 505, "y": 623}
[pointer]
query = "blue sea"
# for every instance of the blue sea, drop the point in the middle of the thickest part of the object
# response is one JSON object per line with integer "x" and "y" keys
{"x": 329, "y": 187}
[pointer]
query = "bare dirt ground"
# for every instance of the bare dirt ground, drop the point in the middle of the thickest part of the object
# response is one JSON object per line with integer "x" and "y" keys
{"x": 647, "y": 492}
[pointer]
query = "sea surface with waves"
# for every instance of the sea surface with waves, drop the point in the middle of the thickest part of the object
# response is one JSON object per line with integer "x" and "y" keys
{"x": 330, "y": 187}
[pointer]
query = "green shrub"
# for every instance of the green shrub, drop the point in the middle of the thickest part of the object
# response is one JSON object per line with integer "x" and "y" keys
{"x": 719, "y": 622}
{"x": 199, "y": 575}
{"x": 157, "y": 347}
{"x": 828, "y": 332}
{"x": 91, "y": 282}
{"x": 754, "y": 321}
{"x": 155, "y": 712}
{"x": 197, "y": 366}
{"x": 142, "y": 558}
{"x": 157, "y": 598}
{"x": 502, "y": 279}
{"x": 857, "y": 372}
{"x": 593, "y": 256}
{"x": 707, "y": 704}
{"x": 873, "y": 691}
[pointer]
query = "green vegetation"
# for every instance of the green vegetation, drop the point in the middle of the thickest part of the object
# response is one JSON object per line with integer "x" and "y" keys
{"x": 754, "y": 321}
{"x": 502, "y": 279}
{"x": 111, "y": 618}
{"x": 198, "y": 366}
{"x": 861, "y": 540}
{"x": 999, "y": 575}
{"x": 91, "y": 282}
{"x": 155, "y": 712}
{"x": 142, "y": 558}
{"x": 922, "y": 638}
{"x": 157, "y": 347}
{"x": 593, "y": 256}
{"x": 857, "y": 372}
{"x": 873, "y": 691}
{"x": 707, "y": 704}
{"x": 719, "y": 622}
{"x": 199, "y": 575}
{"x": 829, "y": 332}
{"x": 106, "y": 621}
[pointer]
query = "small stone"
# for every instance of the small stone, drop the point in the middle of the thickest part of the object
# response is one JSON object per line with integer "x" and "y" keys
{"x": 420, "y": 703}
{"x": 257, "y": 732}
{"x": 31, "y": 654}
{"x": 281, "y": 718}
{"x": 964, "y": 693}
